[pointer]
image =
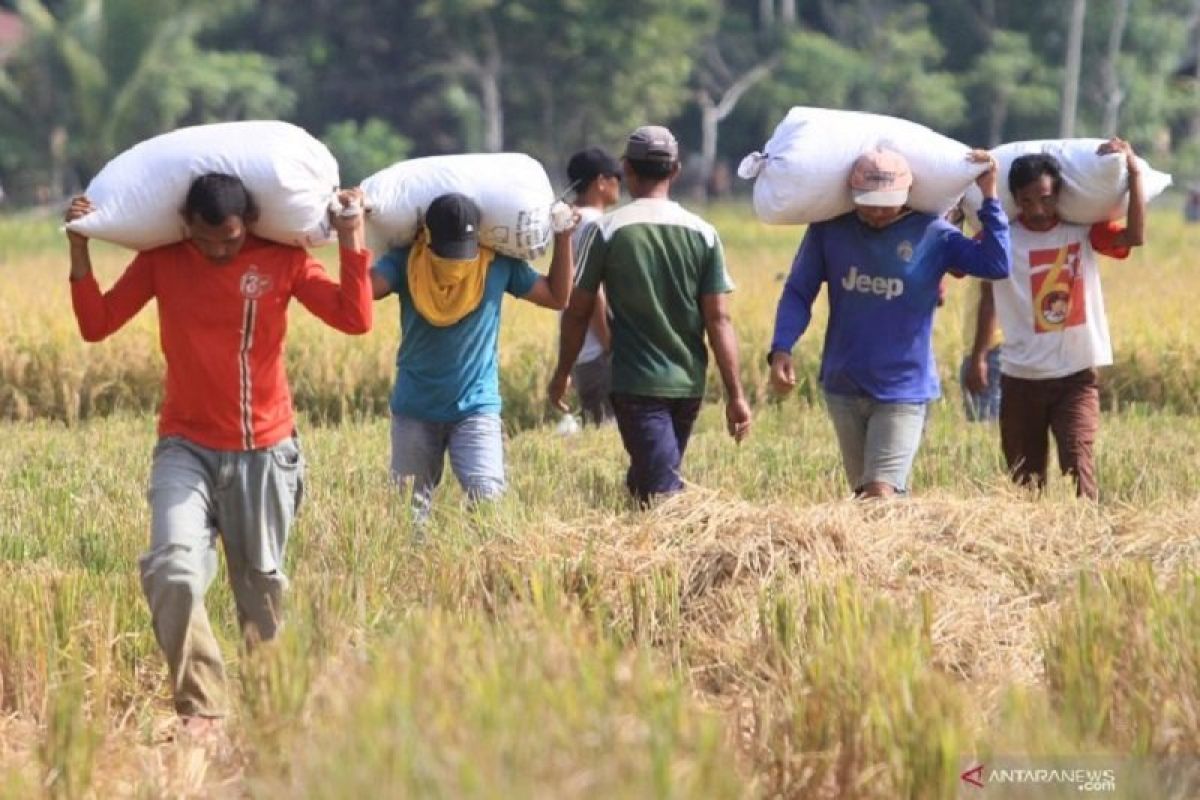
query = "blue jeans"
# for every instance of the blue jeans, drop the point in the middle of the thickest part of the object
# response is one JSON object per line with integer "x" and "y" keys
{"x": 655, "y": 432}
{"x": 476, "y": 446}
{"x": 878, "y": 440}
{"x": 983, "y": 407}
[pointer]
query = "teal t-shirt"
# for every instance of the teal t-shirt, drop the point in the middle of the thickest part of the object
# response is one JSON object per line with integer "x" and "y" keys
{"x": 448, "y": 374}
{"x": 655, "y": 260}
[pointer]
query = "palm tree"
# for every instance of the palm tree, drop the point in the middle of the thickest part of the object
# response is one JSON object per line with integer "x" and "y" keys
{"x": 103, "y": 74}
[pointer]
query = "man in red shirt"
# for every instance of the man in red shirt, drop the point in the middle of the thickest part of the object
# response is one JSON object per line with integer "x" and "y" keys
{"x": 228, "y": 463}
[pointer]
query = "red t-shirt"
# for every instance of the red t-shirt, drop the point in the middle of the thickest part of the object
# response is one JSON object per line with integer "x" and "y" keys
{"x": 222, "y": 329}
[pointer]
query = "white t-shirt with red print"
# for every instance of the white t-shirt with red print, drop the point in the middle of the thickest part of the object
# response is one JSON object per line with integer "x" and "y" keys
{"x": 1051, "y": 308}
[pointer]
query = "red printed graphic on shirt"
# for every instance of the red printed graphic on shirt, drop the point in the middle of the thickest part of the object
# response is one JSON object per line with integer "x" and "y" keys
{"x": 1055, "y": 278}
{"x": 254, "y": 284}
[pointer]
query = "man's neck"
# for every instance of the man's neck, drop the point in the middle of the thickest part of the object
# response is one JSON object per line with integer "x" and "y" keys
{"x": 641, "y": 188}
{"x": 887, "y": 224}
{"x": 1041, "y": 226}
{"x": 589, "y": 200}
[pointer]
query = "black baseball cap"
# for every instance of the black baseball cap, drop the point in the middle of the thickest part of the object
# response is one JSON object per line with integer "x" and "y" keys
{"x": 587, "y": 165}
{"x": 453, "y": 222}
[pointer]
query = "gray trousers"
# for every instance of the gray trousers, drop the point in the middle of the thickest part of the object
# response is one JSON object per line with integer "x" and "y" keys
{"x": 476, "y": 448}
{"x": 247, "y": 500}
{"x": 593, "y": 384}
{"x": 879, "y": 441}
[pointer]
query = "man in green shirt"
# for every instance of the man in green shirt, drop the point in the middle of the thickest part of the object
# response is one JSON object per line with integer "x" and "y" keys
{"x": 663, "y": 271}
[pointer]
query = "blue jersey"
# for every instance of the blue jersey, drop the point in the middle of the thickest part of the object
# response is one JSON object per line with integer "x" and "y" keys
{"x": 883, "y": 289}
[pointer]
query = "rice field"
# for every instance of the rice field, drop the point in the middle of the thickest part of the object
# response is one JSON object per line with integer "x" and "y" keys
{"x": 758, "y": 636}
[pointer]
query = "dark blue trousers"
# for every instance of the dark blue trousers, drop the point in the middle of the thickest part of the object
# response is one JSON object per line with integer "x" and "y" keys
{"x": 655, "y": 431}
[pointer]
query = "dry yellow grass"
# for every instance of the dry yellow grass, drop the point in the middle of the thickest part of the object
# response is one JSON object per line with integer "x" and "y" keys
{"x": 46, "y": 371}
{"x": 562, "y": 611}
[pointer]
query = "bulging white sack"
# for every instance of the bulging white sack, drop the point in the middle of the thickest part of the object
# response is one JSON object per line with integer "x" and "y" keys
{"x": 511, "y": 189}
{"x": 291, "y": 176}
{"x": 1095, "y": 188}
{"x": 803, "y": 173}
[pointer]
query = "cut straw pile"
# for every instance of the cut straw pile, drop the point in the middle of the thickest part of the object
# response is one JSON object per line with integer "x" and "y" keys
{"x": 988, "y": 568}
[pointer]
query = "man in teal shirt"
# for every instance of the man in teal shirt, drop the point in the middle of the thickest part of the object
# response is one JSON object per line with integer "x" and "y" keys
{"x": 663, "y": 270}
{"x": 447, "y": 394}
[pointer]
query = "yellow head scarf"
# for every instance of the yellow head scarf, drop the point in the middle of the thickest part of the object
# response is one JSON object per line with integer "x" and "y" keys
{"x": 445, "y": 290}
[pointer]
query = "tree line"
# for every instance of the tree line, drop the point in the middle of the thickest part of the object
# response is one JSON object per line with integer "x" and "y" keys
{"x": 379, "y": 80}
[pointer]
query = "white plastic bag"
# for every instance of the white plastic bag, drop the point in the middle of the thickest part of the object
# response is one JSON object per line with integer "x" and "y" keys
{"x": 291, "y": 176}
{"x": 803, "y": 173}
{"x": 511, "y": 189}
{"x": 1095, "y": 188}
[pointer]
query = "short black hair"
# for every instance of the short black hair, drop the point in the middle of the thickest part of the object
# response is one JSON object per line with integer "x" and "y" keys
{"x": 656, "y": 170}
{"x": 216, "y": 197}
{"x": 1029, "y": 168}
{"x": 586, "y": 166}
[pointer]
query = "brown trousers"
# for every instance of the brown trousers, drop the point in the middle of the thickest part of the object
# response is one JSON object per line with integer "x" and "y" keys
{"x": 1068, "y": 407}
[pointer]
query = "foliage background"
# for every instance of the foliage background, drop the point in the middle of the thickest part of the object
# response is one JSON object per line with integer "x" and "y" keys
{"x": 380, "y": 80}
{"x": 761, "y": 635}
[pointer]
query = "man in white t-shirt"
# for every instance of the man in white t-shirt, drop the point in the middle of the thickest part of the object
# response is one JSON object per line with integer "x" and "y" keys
{"x": 596, "y": 177}
{"x": 1051, "y": 310}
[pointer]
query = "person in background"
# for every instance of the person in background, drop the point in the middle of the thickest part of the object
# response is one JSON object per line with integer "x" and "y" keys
{"x": 596, "y": 176}
{"x": 663, "y": 270}
{"x": 883, "y": 265}
{"x": 446, "y": 399}
{"x": 1191, "y": 206}
{"x": 979, "y": 374}
{"x": 228, "y": 464}
{"x": 1051, "y": 310}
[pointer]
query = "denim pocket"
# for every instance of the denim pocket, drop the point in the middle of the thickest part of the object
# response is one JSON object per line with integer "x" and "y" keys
{"x": 287, "y": 454}
{"x": 289, "y": 460}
